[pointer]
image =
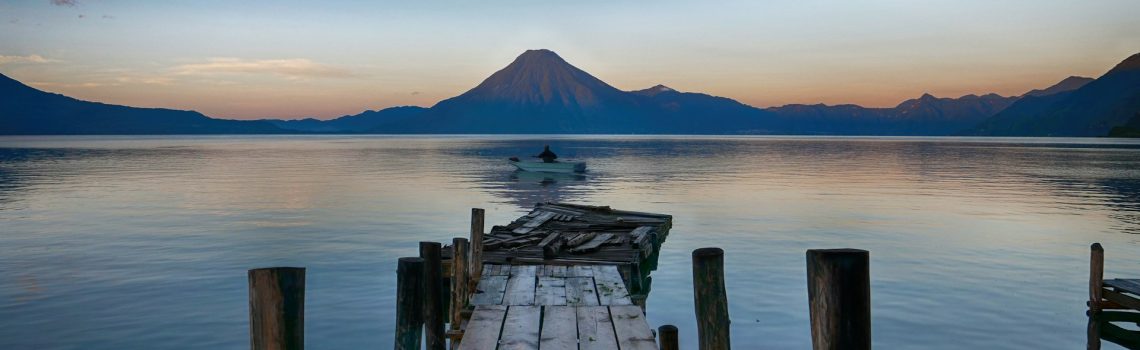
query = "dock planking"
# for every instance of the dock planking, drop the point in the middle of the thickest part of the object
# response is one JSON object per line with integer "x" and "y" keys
{"x": 557, "y": 307}
{"x": 561, "y": 277}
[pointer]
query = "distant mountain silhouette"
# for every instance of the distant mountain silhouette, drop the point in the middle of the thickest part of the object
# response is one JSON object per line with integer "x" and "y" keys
{"x": 541, "y": 93}
{"x": 926, "y": 115}
{"x": 1091, "y": 110}
{"x": 27, "y": 111}
{"x": 356, "y": 123}
{"x": 1068, "y": 84}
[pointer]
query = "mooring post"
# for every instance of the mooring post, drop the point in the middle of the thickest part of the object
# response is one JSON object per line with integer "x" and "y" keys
{"x": 839, "y": 298}
{"x": 277, "y": 308}
{"x": 409, "y": 303}
{"x": 710, "y": 299}
{"x": 1096, "y": 277}
{"x": 433, "y": 295}
{"x": 476, "y": 245}
{"x": 667, "y": 335}
{"x": 459, "y": 275}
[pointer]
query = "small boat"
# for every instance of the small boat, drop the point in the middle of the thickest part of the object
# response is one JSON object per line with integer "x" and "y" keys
{"x": 555, "y": 167}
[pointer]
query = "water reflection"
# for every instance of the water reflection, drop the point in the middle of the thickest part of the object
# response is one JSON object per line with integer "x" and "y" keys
{"x": 1118, "y": 327}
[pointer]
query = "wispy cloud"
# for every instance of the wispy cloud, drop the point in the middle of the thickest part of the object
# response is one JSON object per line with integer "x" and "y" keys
{"x": 294, "y": 68}
{"x": 69, "y": 3}
{"x": 25, "y": 59}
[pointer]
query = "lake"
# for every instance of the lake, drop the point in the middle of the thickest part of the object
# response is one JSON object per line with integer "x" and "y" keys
{"x": 144, "y": 242}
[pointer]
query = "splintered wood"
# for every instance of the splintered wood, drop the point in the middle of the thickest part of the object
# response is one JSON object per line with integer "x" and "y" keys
{"x": 555, "y": 307}
{"x": 558, "y": 233}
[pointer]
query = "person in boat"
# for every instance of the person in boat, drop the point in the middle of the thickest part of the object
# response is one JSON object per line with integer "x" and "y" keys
{"x": 546, "y": 155}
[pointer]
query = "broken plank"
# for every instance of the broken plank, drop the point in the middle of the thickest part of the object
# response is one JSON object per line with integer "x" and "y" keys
{"x": 520, "y": 329}
{"x": 534, "y": 223}
{"x": 559, "y": 328}
{"x": 579, "y": 239}
{"x": 484, "y": 327}
{"x": 581, "y": 291}
{"x": 489, "y": 291}
{"x": 611, "y": 287}
{"x": 631, "y": 328}
{"x": 550, "y": 290}
{"x": 595, "y": 329}
{"x": 593, "y": 244}
{"x": 520, "y": 286}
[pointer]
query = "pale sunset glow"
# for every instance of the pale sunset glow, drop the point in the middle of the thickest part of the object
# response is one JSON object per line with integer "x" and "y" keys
{"x": 250, "y": 60}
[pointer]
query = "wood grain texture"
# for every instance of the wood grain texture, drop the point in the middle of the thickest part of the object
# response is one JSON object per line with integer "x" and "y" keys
{"x": 521, "y": 328}
{"x": 489, "y": 291}
{"x": 710, "y": 299}
{"x": 839, "y": 298}
{"x": 631, "y": 328}
{"x": 559, "y": 328}
{"x": 277, "y": 308}
{"x": 595, "y": 328}
{"x": 484, "y": 328}
{"x": 409, "y": 303}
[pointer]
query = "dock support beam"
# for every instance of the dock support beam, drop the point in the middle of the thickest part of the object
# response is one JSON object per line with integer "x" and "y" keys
{"x": 667, "y": 336}
{"x": 1096, "y": 277}
{"x": 710, "y": 299}
{"x": 839, "y": 298}
{"x": 476, "y": 246}
{"x": 433, "y": 295}
{"x": 277, "y": 308}
{"x": 409, "y": 303}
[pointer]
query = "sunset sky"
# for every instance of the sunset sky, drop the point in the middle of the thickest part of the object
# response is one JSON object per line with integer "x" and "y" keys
{"x": 290, "y": 59}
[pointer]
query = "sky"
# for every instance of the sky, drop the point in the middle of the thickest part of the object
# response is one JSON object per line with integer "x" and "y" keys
{"x": 294, "y": 59}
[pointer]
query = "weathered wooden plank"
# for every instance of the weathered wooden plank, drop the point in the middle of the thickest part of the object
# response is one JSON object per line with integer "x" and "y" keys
{"x": 489, "y": 291}
{"x": 520, "y": 286}
{"x": 595, "y": 328}
{"x": 550, "y": 291}
{"x": 521, "y": 328}
{"x": 580, "y": 238}
{"x": 580, "y": 291}
{"x": 558, "y": 271}
{"x": 1122, "y": 299}
{"x": 631, "y": 328}
{"x": 534, "y": 223}
{"x": 639, "y": 232}
{"x": 1127, "y": 285}
{"x": 491, "y": 270}
{"x": 559, "y": 328}
{"x": 579, "y": 271}
{"x": 484, "y": 327}
{"x": 611, "y": 287}
{"x": 593, "y": 244}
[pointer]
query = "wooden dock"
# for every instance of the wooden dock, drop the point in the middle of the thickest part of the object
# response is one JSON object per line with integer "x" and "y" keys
{"x": 564, "y": 276}
{"x": 555, "y": 307}
{"x": 1111, "y": 294}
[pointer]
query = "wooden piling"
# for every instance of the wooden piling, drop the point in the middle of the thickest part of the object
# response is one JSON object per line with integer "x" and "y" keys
{"x": 1096, "y": 278}
{"x": 839, "y": 298}
{"x": 277, "y": 308}
{"x": 409, "y": 303}
{"x": 667, "y": 337}
{"x": 435, "y": 337}
{"x": 476, "y": 246}
{"x": 459, "y": 280}
{"x": 710, "y": 299}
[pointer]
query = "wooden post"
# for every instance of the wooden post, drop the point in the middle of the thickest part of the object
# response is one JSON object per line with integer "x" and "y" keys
{"x": 409, "y": 303}
{"x": 1096, "y": 278}
{"x": 667, "y": 335}
{"x": 277, "y": 308}
{"x": 710, "y": 299}
{"x": 433, "y": 296}
{"x": 839, "y": 298}
{"x": 459, "y": 295}
{"x": 476, "y": 246}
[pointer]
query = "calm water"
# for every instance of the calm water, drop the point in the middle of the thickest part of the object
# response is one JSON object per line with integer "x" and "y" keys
{"x": 143, "y": 242}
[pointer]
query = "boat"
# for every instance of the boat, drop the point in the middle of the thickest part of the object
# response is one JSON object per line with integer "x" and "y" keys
{"x": 554, "y": 167}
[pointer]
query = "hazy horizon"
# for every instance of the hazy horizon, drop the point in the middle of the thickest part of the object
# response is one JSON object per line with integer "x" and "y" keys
{"x": 270, "y": 60}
